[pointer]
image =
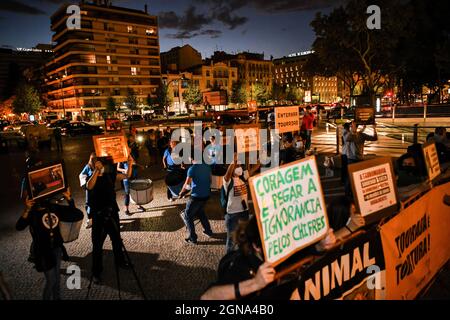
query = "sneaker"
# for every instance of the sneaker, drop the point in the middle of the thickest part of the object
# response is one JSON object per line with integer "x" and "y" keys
{"x": 128, "y": 213}
{"x": 190, "y": 241}
{"x": 171, "y": 200}
{"x": 142, "y": 209}
{"x": 208, "y": 234}
{"x": 88, "y": 224}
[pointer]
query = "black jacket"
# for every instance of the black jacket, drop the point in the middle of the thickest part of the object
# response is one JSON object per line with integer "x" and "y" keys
{"x": 46, "y": 235}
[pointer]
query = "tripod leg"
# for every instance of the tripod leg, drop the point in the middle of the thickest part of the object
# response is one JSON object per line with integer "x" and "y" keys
{"x": 89, "y": 287}
{"x": 134, "y": 271}
{"x": 118, "y": 278}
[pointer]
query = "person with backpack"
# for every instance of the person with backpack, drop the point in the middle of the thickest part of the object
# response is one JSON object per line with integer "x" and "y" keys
{"x": 234, "y": 199}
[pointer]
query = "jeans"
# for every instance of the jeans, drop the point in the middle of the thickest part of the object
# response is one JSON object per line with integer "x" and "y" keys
{"x": 101, "y": 227}
{"x": 126, "y": 185}
{"x": 195, "y": 208}
{"x": 308, "y": 139}
{"x": 52, "y": 277}
{"x": 231, "y": 224}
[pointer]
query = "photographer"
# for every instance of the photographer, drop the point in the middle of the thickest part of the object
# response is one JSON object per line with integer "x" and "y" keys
{"x": 43, "y": 219}
{"x": 105, "y": 214}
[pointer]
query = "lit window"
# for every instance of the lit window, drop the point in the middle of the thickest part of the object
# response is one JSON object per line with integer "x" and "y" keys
{"x": 149, "y": 32}
{"x": 108, "y": 59}
{"x": 133, "y": 71}
{"x": 130, "y": 29}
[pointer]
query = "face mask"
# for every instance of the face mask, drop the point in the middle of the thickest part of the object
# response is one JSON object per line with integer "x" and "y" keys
{"x": 409, "y": 169}
{"x": 238, "y": 171}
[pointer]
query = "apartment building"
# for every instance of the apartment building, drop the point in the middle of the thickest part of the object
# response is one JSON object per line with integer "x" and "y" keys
{"x": 114, "y": 50}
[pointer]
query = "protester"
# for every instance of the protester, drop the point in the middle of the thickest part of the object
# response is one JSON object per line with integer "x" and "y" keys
{"x": 43, "y": 219}
{"x": 243, "y": 274}
{"x": 105, "y": 214}
{"x": 353, "y": 148}
{"x": 236, "y": 199}
{"x": 151, "y": 145}
{"x": 343, "y": 220}
{"x": 307, "y": 127}
{"x": 122, "y": 167}
{"x": 170, "y": 164}
{"x": 442, "y": 144}
{"x": 84, "y": 177}
{"x": 162, "y": 143}
{"x": 408, "y": 171}
{"x": 289, "y": 153}
{"x": 58, "y": 139}
{"x": 199, "y": 182}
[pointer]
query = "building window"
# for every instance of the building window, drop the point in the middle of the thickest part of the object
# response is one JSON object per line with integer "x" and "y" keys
{"x": 207, "y": 73}
{"x": 130, "y": 29}
{"x": 208, "y": 84}
{"x": 108, "y": 59}
{"x": 150, "y": 32}
{"x": 133, "y": 71}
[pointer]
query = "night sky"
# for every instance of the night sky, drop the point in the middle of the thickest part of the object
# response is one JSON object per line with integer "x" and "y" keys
{"x": 275, "y": 27}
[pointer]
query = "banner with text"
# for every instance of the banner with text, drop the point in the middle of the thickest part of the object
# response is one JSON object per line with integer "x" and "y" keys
{"x": 290, "y": 208}
{"x": 416, "y": 244}
{"x": 247, "y": 138}
{"x": 353, "y": 271}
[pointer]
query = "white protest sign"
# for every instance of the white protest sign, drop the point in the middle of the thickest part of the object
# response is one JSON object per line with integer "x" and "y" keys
{"x": 431, "y": 160}
{"x": 373, "y": 185}
{"x": 287, "y": 119}
{"x": 290, "y": 208}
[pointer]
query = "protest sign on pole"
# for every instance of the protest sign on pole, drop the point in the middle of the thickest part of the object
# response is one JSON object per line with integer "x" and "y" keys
{"x": 111, "y": 145}
{"x": 287, "y": 119}
{"x": 247, "y": 137}
{"x": 374, "y": 188}
{"x": 290, "y": 208}
{"x": 431, "y": 160}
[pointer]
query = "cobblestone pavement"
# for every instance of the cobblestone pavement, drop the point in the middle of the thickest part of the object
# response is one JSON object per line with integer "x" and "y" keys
{"x": 167, "y": 267}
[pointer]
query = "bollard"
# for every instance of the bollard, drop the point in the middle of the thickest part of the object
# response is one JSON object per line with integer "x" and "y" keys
{"x": 424, "y": 112}
{"x": 416, "y": 131}
{"x": 337, "y": 139}
{"x": 393, "y": 114}
{"x": 403, "y": 138}
{"x": 327, "y": 129}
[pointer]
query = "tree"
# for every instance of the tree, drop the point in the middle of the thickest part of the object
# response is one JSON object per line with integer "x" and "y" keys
{"x": 192, "y": 95}
{"x": 238, "y": 93}
{"x": 261, "y": 93}
{"x": 163, "y": 98}
{"x": 111, "y": 104}
{"x": 27, "y": 100}
{"x": 277, "y": 93}
{"x": 346, "y": 46}
{"x": 151, "y": 101}
{"x": 131, "y": 101}
{"x": 293, "y": 95}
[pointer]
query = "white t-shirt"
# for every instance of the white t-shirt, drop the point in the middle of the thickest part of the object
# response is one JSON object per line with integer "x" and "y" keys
{"x": 238, "y": 193}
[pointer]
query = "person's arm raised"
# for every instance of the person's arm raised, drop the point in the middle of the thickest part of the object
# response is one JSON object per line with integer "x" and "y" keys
{"x": 93, "y": 180}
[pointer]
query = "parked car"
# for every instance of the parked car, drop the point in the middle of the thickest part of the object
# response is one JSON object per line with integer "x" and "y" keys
{"x": 59, "y": 124}
{"x": 335, "y": 112}
{"x": 134, "y": 118}
{"x": 4, "y": 124}
{"x": 79, "y": 128}
{"x": 17, "y": 125}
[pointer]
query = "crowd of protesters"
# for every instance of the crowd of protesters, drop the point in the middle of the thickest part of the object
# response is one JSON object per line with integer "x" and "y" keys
{"x": 242, "y": 272}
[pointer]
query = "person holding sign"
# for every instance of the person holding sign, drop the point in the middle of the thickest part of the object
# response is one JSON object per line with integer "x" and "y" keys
{"x": 243, "y": 274}
{"x": 307, "y": 127}
{"x": 43, "y": 217}
{"x": 235, "y": 202}
{"x": 105, "y": 214}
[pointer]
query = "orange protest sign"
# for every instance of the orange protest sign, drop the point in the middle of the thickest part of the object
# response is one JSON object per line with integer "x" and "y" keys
{"x": 287, "y": 119}
{"x": 416, "y": 244}
{"x": 111, "y": 145}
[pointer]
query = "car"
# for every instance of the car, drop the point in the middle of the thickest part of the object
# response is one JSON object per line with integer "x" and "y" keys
{"x": 59, "y": 124}
{"x": 134, "y": 118}
{"x": 4, "y": 124}
{"x": 335, "y": 112}
{"x": 17, "y": 125}
{"x": 80, "y": 128}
